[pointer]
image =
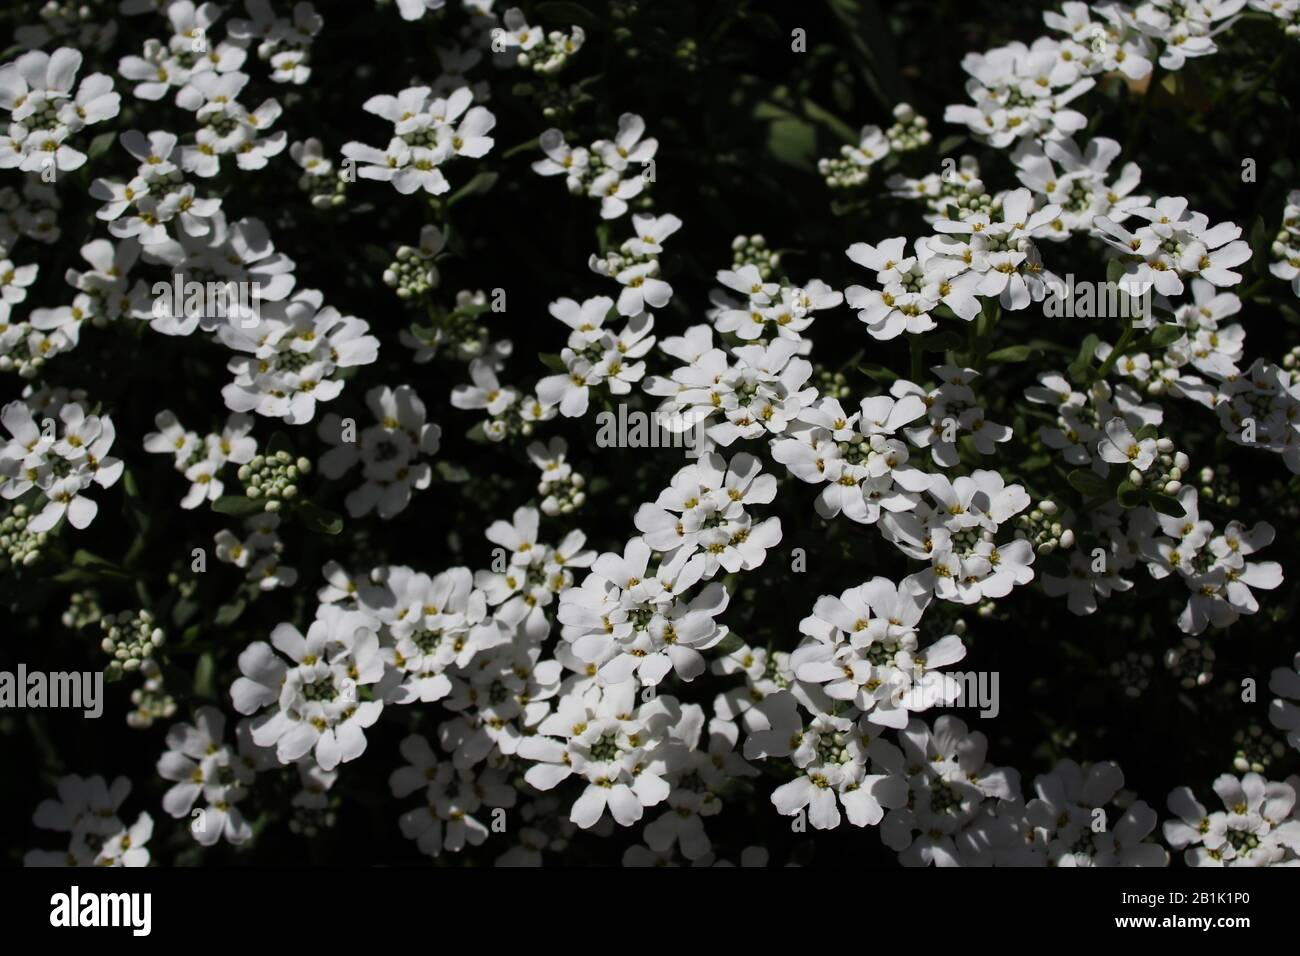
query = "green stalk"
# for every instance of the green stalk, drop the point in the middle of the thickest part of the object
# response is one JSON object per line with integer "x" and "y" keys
{"x": 1117, "y": 352}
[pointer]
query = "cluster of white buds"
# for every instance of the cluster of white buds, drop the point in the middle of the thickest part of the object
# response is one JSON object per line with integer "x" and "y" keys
{"x": 753, "y": 251}
{"x": 1192, "y": 662}
{"x": 968, "y": 199}
{"x": 18, "y": 546}
{"x": 910, "y": 130}
{"x": 78, "y": 21}
{"x": 129, "y": 639}
{"x": 458, "y": 334}
{"x": 612, "y": 263}
{"x": 314, "y": 808}
{"x": 832, "y": 384}
{"x": 1286, "y": 244}
{"x": 24, "y": 348}
{"x": 1166, "y": 473}
{"x": 410, "y": 274}
{"x": 562, "y": 496}
{"x": 852, "y": 167}
{"x": 563, "y": 490}
{"x": 413, "y": 273}
{"x": 841, "y": 172}
{"x": 324, "y": 184}
{"x": 1042, "y": 528}
{"x": 83, "y": 611}
{"x": 1218, "y": 485}
{"x": 1133, "y": 673}
{"x": 954, "y": 193}
{"x": 1257, "y": 748}
{"x": 151, "y": 700}
{"x": 273, "y": 478}
{"x": 258, "y": 552}
{"x": 553, "y": 53}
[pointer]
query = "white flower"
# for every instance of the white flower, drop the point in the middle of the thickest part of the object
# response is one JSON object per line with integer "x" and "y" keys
{"x": 833, "y": 755}
{"x": 862, "y": 647}
{"x": 622, "y": 751}
{"x": 1002, "y": 252}
{"x": 431, "y": 626}
{"x": 762, "y": 392}
{"x": 426, "y": 136}
{"x": 313, "y": 706}
{"x": 603, "y": 360}
{"x": 951, "y": 787}
{"x": 631, "y": 621}
{"x": 702, "y": 516}
{"x": 1285, "y": 715}
{"x": 1119, "y": 447}
{"x": 87, "y": 810}
{"x": 201, "y": 764}
{"x": 1253, "y": 829}
{"x": 1068, "y": 807}
{"x": 389, "y": 451}
{"x": 36, "y": 89}
{"x": 295, "y": 352}
{"x": 452, "y": 796}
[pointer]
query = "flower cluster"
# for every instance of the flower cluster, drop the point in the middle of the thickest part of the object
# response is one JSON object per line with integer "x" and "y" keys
{"x": 573, "y": 634}
{"x": 613, "y": 171}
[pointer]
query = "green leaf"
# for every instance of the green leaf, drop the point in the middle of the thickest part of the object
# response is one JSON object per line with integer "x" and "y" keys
{"x": 1130, "y": 495}
{"x": 1088, "y": 349}
{"x": 1261, "y": 247}
{"x": 552, "y": 361}
{"x": 377, "y": 255}
{"x": 793, "y": 141}
{"x": 1114, "y": 271}
{"x": 239, "y": 506}
{"x": 524, "y": 147}
{"x": 1015, "y": 353}
{"x": 454, "y": 474}
{"x": 97, "y": 565}
{"x": 1167, "y": 505}
{"x": 847, "y": 207}
{"x": 729, "y": 644}
{"x": 877, "y": 372}
{"x": 318, "y": 519}
{"x": 480, "y": 184}
{"x": 1166, "y": 335}
{"x": 950, "y": 144}
{"x": 227, "y": 614}
{"x": 1089, "y": 484}
{"x": 832, "y": 122}
{"x": 203, "y": 673}
{"x": 100, "y": 145}
{"x": 1146, "y": 431}
{"x": 183, "y": 611}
